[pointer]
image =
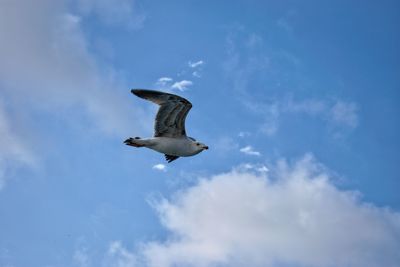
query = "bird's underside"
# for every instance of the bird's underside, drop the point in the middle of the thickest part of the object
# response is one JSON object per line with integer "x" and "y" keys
{"x": 158, "y": 145}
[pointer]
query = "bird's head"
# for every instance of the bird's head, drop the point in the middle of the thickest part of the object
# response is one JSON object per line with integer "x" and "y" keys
{"x": 198, "y": 146}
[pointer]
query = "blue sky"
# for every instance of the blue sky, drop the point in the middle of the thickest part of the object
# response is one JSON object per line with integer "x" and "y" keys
{"x": 298, "y": 102}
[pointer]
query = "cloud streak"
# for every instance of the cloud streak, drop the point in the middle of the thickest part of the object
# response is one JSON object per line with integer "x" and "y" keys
{"x": 182, "y": 85}
{"x": 160, "y": 167}
{"x": 249, "y": 150}
{"x": 195, "y": 64}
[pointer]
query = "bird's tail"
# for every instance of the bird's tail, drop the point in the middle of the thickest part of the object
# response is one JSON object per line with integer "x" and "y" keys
{"x": 136, "y": 142}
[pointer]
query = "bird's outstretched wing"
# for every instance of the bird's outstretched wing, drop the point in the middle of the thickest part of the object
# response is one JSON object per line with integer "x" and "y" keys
{"x": 170, "y": 118}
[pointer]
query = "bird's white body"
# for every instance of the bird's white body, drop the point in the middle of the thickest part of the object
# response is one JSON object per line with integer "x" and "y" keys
{"x": 181, "y": 147}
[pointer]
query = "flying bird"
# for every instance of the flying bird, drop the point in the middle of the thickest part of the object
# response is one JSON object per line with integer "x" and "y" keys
{"x": 169, "y": 128}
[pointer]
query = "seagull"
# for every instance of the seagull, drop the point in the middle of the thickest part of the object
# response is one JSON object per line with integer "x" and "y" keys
{"x": 170, "y": 136}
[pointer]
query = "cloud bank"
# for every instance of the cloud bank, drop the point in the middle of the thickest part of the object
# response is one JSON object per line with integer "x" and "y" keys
{"x": 49, "y": 66}
{"x": 291, "y": 216}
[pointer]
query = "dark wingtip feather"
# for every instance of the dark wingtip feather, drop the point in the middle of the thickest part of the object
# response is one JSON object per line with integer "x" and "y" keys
{"x": 136, "y": 91}
{"x": 144, "y": 93}
{"x": 170, "y": 158}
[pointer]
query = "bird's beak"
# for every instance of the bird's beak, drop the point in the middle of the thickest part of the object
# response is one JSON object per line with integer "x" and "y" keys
{"x": 205, "y": 147}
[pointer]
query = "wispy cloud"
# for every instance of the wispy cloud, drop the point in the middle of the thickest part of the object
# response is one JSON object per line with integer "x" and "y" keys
{"x": 164, "y": 82}
{"x": 196, "y": 74}
{"x": 249, "y": 150}
{"x": 123, "y": 13}
{"x": 250, "y": 166}
{"x": 182, "y": 85}
{"x": 160, "y": 167}
{"x": 119, "y": 256}
{"x": 81, "y": 258}
{"x": 244, "y": 65}
{"x": 296, "y": 216}
{"x": 14, "y": 150}
{"x": 344, "y": 113}
{"x": 244, "y": 134}
{"x": 167, "y": 83}
{"x": 285, "y": 22}
{"x": 195, "y": 64}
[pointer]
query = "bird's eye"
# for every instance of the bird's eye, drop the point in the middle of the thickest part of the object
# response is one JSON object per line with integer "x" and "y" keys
{"x": 197, "y": 144}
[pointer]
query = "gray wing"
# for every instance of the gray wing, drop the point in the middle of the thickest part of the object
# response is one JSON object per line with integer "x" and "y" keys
{"x": 170, "y": 118}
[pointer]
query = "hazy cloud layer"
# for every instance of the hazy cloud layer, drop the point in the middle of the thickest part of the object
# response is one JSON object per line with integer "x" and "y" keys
{"x": 291, "y": 216}
{"x": 47, "y": 65}
{"x": 113, "y": 12}
{"x": 13, "y": 148}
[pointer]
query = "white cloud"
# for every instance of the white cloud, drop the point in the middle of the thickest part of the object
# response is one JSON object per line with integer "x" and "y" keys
{"x": 182, "y": 85}
{"x": 198, "y": 68}
{"x": 164, "y": 82}
{"x": 160, "y": 167}
{"x": 195, "y": 64}
{"x": 167, "y": 84}
{"x": 249, "y": 166}
{"x": 249, "y": 150}
{"x": 262, "y": 168}
{"x": 294, "y": 216}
